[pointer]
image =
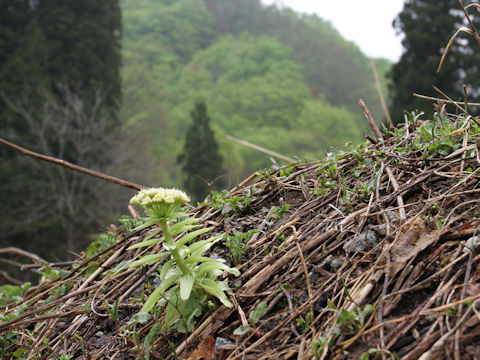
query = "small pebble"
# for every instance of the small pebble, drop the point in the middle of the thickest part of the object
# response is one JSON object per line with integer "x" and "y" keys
{"x": 220, "y": 341}
{"x": 336, "y": 264}
{"x": 392, "y": 217}
{"x": 227, "y": 209}
{"x": 366, "y": 240}
{"x": 472, "y": 244}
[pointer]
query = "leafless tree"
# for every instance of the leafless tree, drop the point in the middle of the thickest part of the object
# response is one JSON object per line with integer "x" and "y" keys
{"x": 69, "y": 128}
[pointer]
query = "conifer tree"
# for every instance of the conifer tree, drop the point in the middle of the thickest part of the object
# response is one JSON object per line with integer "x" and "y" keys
{"x": 427, "y": 26}
{"x": 60, "y": 93}
{"x": 202, "y": 163}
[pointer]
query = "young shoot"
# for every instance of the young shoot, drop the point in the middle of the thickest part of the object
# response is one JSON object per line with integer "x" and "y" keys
{"x": 187, "y": 277}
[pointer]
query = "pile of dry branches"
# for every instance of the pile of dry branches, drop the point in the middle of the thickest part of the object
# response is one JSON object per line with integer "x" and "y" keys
{"x": 374, "y": 256}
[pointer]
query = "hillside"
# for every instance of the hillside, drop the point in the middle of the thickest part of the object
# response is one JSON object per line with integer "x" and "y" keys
{"x": 262, "y": 71}
{"x": 368, "y": 252}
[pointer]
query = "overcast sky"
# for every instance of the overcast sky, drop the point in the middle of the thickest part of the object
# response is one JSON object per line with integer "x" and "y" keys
{"x": 368, "y": 23}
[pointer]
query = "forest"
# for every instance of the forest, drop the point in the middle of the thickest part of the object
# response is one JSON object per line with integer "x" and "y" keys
{"x": 258, "y": 81}
{"x": 153, "y": 91}
{"x": 157, "y": 60}
{"x": 271, "y": 192}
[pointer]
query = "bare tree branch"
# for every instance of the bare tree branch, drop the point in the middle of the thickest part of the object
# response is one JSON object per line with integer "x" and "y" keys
{"x": 64, "y": 129}
{"x": 72, "y": 166}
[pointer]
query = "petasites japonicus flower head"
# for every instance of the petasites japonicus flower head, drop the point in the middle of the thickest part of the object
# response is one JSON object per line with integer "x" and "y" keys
{"x": 160, "y": 203}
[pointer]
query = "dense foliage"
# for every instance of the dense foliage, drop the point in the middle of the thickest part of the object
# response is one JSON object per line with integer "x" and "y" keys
{"x": 281, "y": 80}
{"x": 60, "y": 95}
{"x": 201, "y": 162}
{"x": 428, "y": 25}
{"x": 263, "y": 72}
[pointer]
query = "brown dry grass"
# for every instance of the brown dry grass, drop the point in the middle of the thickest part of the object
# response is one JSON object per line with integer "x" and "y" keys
{"x": 416, "y": 271}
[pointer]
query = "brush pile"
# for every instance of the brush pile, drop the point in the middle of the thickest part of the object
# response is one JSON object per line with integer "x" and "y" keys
{"x": 371, "y": 253}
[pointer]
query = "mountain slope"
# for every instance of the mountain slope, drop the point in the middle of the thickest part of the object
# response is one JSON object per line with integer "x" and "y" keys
{"x": 261, "y": 71}
{"x": 364, "y": 253}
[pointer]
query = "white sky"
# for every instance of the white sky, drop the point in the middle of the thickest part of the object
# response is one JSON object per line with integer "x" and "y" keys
{"x": 368, "y": 23}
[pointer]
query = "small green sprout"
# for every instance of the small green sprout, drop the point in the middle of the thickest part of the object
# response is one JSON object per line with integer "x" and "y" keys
{"x": 354, "y": 320}
{"x": 280, "y": 211}
{"x": 253, "y": 317}
{"x": 237, "y": 244}
{"x": 328, "y": 340}
{"x": 129, "y": 223}
{"x": 187, "y": 276}
{"x": 258, "y": 312}
{"x": 82, "y": 342}
{"x": 106, "y": 240}
{"x": 12, "y": 294}
{"x": 237, "y": 203}
{"x": 113, "y": 310}
{"x": 285, "y": 171}
{"x": 373, "y": 354}
{"x": 304, "y": 323}
{"x": 103, "y": 242}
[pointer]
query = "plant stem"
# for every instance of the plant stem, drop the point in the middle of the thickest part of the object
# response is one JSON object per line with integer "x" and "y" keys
{"x": 173, "y": 249}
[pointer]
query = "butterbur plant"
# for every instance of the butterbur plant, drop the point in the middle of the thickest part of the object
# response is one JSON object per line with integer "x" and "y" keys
{"x": 237, "y": 243}
{"x": 187, "y": 277}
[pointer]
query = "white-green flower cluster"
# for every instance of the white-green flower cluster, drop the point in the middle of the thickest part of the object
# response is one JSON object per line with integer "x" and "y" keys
{"x": 188, "y": 276}
{"x": 160, "y": 203}
{"x": 146, "y": 197}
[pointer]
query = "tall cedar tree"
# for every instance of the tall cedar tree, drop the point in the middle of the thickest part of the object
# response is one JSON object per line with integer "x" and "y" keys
{"x": 202, "y": 163}
{"x": 46, "y": 47}
{"x": 84, "y": 42}
{"x": 427, "y": 26}
{"x": 46, "y": 43}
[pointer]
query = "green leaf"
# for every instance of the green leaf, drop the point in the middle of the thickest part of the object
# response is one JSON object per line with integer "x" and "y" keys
{"x": 193, "y": 314}
{"x": 116, "y": 269}
{"x": 152, "y": 299}
{"x": 140, "y": 317}
{"x": 212, "y": 287}
{"x": 189, "y": 309}
{"x": 19, "y": 353}
{"x": 165, "y": 268}
{"x": 149, "y": 338}
{"x": 212, "y": 265}
{"x": 145, "y": 225}
{"x": 147, "y": 241}
{"x": 144, "y": 244}
{"x": 186, "y": 284}
{"x": 192, "y": 235}
{"x": 172, "y": 276}
{"x": 364, "y": 356}
{"x": 201, "y": 247}
{"x": 201, "y": 250}
{"x": 184, "y": 225}
{"x": 444, "y": 149}
{"x": 233, "y": 271}
{"x": 197, "y": 259}
{"x": 148, "y": 259}
{"x": 258, "y": 312}
{"x": 368, "y": 309}
{"x": 241, "y": 330}
{"x": 171, "y": 313}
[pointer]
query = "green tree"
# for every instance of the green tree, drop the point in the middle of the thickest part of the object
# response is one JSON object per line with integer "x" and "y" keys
{"x": 84, "y": 40}
{"x": 261, "y": 83}
{"x": 59, "y": 95}
{"x": 332, "y": 66}
{"x": 164, "y": 31}
{"x": 202, "y": 163}
{"x": 427, "y": 26}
